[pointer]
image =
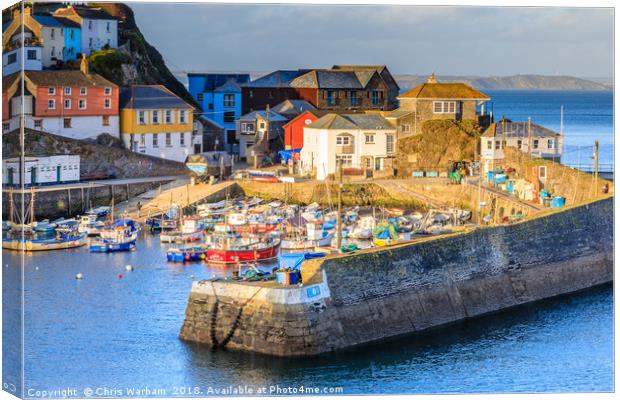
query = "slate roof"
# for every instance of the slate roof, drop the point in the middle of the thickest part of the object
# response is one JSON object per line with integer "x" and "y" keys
{"x": 276, "y": 79}
{"x": 351, "y": 121}
{"x": 444, "y": 91}
{"x": 67, "y": 78}
{"x": 333, "y": 79}
{"x": 48, "y": 20}
{"x": 149, "y": 97}
{"x": 518, "y": 129}
{"x": 207, "y": 122}
{"x": 292, "y": 107}
{"x": 92, "y": 13}
{"x": 214, "y": 81}
{"x": 67, "y": 22}
{"x": 5, "y": 25}
{"x": 273, "y": 117}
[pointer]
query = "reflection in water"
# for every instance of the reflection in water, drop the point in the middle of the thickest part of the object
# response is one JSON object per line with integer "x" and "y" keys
{"x": 106, "y": 330}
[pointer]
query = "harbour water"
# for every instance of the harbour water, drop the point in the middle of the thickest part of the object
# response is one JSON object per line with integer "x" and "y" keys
{"x": 118, "y": 329}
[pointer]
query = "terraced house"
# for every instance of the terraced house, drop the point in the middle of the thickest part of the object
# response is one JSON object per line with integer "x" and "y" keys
{"x": 98, "y": 28}
{"x": 156, "y": 122}
{"x": 71, "y": 103}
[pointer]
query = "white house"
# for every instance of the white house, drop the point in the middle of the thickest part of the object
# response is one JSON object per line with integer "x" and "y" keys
{"x": 526, "y": 136}
{"x": 12, "y": 54}
{"x": 98, "y": 27}
{"x": 363, "y": 142}
{"x": 42, "y": 170}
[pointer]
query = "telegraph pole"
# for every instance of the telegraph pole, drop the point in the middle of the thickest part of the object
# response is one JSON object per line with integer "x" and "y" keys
{"x": 595, "y": 166}
{"x": 339, "y": 218}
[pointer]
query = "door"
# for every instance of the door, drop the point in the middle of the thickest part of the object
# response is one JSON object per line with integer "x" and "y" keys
{"x": 58, "y": 174}
{"x": 33, "y": 176}
{"x": 11, "y": 171}
{"x": 378, "y": 164}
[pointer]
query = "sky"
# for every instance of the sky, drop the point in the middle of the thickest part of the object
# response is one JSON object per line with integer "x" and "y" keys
{"x": 480, "y": 41}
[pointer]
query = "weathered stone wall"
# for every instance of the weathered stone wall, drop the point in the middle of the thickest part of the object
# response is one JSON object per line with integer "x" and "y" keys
{"x": 382, "y": 293}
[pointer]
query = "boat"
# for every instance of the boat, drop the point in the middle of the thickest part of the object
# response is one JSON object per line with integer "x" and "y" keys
{"x": 119, "y": 238}
{"x": 100, "y": 211}
{"x": 187, "y": 253}
{"x": 60, "y": 242}
{"x": 232, "y": 250}
{"x": 363, "y": 228}
{"x": 292, "y": 243}
{"x": 44, "y": 226}
{"x": 263, "y": 176}
{"x": 90, "y": 225}
{"x": 191, "y": 231}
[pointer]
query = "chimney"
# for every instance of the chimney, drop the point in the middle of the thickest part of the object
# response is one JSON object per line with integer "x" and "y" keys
{"x": 27, "y": 10}
{"x": 432, "y": 78}
{"x": 84, "y": 65}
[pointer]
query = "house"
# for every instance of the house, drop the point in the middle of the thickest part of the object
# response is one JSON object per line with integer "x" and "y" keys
{"x": 257, "y": 127}
{"x": 269, "y": 90}
{"x": 212, "y": 134}
{"x": 156, "y": 122}
{"x": 42, "y": 170}
{"x": 98, "y": 28}
{"x": 352, "y": 87}
{"x": 57, "y": 37}
{"x": 290, "y": 109}
{"x": 364, "y": 143}
{"x": 219, "y": 96}
{"x": 71, "y": 103}
{"x": 12, "y": 53}
{"x": 528, "y": 137}
{"x": 435, "y": 100}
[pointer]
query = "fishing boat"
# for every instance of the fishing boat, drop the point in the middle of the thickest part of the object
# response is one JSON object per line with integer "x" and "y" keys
{"x": 363, "y": 228}
{"x": 118, "y": 238}
{"x": 60, "y": 242}
{"x": 100, "y": 211}
{"x": 90, "y": 225}
{"x": 232, "y": 250}
{"x": 187, "y": 253}
{"x": 191, "y": 231}
{"x": 44, "y": 226}
{"x": 315, "y": 236}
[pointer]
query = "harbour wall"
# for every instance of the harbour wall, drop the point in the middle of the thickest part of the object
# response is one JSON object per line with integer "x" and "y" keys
{"x": 380, "y": 293}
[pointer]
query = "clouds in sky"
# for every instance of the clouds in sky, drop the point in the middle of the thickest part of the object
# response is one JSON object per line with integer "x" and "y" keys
{"x": 409, "y": 39}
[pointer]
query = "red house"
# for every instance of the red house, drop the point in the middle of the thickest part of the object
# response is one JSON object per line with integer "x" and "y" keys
{"x": 294, "y": 129}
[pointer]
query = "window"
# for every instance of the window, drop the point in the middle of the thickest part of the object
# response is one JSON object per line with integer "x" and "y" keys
{"x": 251, "y": 93}
{"x": 51, "y": 104}
{"x": 31, "y": 54}
{"x": 519, "y": 144}
{"x": 347, "y": 159}
{"x": 182, "y": 117}
{"x": 90, "y": 42}
{"x": 105, "y": 120}
{"x": 444, "y": 107}
{"x": 107, "y": 103}
{"x": 53, "y": 33}
{"x": 67, "y": 122}
{"x": 549, "y": 144}
{"x": 53, "y": 51}
{"x": 199, "y": 96}
{"x": 71, "y": 32}
{"x": 155, "y": 117}
{"x": 355, "y": 101}
{"x": 229, "y": 100}
{"x": 331, "y": 99}
{"x": 12, "y": 58}
{"x": 389, "y": 144}
{"x": 489, "y": 145}
{"x": 542, "y": 171}
{"x": 83, "y": 91}
{"x": 405, "y": 128}
{"x": 107, "y": 91}
{"x": 343, "y": 140}
{"x": 247, "y": 127}
{"x": 535, "y": 144}
{"x": 67, "y": 104}
{"x": 155, "y": 140}
{"x": 370, "y": 138}
{"x": 107, "y": 27}
{"x": 82, "y": 104}
{"x": 142, "y": 140}
{"x": 498, "y": 145}
{"x": 368, "y": 163}
{"x": 6, "y": 127}
{"x": 51, "y": 90}
{"x": 141, "y": 118}
{"x": 90, "y": 26}
{"x": 229, "y": 116}
{"x": 182, "y": 139}
{"x": 376, "y": 97}
{"x": 262, "y": 125}
{"x": 38, "y": 123}
{"x": 67, "y": 91}
{"x": 168, "y": 139}
{"x": 168, "y": 116}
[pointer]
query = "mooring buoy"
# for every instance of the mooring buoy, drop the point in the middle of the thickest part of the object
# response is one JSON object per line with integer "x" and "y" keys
{"x": 79, "y": 276}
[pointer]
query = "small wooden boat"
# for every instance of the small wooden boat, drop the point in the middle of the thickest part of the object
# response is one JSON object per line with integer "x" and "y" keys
{"x": 61, "y": 242}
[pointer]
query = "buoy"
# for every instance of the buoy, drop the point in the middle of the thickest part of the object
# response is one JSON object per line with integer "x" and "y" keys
{"x": 120, "y": 276}
{"x": 79, "y": 275}
{"x": 192, "y": 276}
{"x": 36, "y": 268}
{"x": 128, "y": 267}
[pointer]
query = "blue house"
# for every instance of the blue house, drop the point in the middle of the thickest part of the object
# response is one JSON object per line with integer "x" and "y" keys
{"x": 219, "y": 96}
{"x": 73, "y": 39}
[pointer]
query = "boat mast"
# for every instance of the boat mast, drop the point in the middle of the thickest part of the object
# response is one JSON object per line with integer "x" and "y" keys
{"x": 339, "y": 219}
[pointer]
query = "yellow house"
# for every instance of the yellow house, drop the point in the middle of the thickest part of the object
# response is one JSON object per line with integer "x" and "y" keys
{"x": 156, "y": 122}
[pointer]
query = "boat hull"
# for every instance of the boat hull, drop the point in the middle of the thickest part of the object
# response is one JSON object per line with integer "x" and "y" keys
{"x": 111, "y": 247}
{"x": 31, "y": 245}
{"x": 236, "y": 256}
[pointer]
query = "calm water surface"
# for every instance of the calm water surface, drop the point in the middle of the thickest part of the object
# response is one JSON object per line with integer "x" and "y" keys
{"x": 118, "y": 333}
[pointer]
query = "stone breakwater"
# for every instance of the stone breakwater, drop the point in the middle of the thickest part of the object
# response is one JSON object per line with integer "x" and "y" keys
{"x": 381, "y": 293}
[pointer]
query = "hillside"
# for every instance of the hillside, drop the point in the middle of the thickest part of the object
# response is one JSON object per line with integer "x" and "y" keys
{"x": 106, "y": 155}
{"x": 515, "y": 82}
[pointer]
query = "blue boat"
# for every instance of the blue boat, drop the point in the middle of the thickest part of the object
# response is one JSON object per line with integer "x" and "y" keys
{"x": 121, "y": 236}
{"x": 187, "y": 253}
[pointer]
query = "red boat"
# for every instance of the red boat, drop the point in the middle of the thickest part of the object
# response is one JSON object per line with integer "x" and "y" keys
{"x": 226, "y": 252}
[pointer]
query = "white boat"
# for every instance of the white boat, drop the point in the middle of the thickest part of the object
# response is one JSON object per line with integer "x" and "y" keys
{"x": 363, "y": 228}
{"x": 90, "y": 225}
{"x": 301, "y": 243}
{"x": 236, "y": 219}
{"x": 191, "y": 231}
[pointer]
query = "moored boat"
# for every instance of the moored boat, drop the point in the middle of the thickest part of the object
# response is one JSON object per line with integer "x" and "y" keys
{"x": 60, "y": 242}
{"x": 227, "y": 250}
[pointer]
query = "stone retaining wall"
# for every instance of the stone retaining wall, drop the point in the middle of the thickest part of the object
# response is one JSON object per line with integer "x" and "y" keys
{"x": 382, "y": 293}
